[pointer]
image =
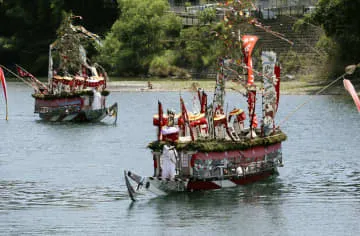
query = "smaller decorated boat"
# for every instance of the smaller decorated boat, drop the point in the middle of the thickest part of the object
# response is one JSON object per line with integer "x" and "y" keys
{"x": 76, "y": 88}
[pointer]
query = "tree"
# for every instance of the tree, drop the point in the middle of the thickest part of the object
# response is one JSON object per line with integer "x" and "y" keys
{"x": 341, "y": 21}
{"x": 28, "y": 27}
{"x": 137, "y": 36}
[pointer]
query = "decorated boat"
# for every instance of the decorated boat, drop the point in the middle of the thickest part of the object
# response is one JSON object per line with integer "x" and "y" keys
{"x": 213, "y": 148}
{"x": 76, "y": 88}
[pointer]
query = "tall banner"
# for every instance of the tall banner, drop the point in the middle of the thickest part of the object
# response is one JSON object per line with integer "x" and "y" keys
{"x": 50, "y": 68}
{"x": 248, "y": 44}
{"x": 160, "y": 113}
{"x": 3, "y": 83}
{"x": 270, "y": 97}
{"x": 219, "y": 94}
{"x": 185, "y": 117}
{"x": 251, "y": 104}
{"x": 203, "y": 100}
{"x": 350, "y": 88}
{"x": 277, "y": 71}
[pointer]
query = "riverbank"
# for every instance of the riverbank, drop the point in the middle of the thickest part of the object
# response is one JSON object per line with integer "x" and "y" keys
{"x": 287, "y": 87}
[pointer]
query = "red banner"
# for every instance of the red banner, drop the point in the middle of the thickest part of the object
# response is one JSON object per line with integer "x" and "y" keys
{"x": 23, "y": 73}
{"x": 185, "y": 117}
{"x": 160, "y": 111}
{"x": 248, "y": 44}
{"x": 277, "y": 71}
{"x": 251, "y": 104}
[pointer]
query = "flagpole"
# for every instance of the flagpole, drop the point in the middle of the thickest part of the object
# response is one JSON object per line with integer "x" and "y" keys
{"x": 7, "y": 112}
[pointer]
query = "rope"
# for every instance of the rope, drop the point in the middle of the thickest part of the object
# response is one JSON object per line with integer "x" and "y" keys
{"x": 304, "y": 103}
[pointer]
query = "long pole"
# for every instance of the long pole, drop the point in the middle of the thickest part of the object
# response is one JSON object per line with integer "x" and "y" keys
{"x": 311, "y": 98}
{"x": 8, "y": 70}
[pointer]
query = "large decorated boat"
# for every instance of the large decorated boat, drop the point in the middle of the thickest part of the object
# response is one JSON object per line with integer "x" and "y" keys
{"x": 76, "y": 88}
{"x": 213, "y": 148}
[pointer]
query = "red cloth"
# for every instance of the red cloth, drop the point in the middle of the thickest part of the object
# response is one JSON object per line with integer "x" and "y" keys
{"x": 248, "y": 45}
{"x": 277, "y": 71}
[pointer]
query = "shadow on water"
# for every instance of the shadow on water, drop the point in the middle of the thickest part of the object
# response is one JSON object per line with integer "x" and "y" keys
{"x": 264, "y": 192}
{"x": 76, "y": 124}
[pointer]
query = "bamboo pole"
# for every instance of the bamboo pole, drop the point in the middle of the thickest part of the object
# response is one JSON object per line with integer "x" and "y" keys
{"x": 8, "y": 70}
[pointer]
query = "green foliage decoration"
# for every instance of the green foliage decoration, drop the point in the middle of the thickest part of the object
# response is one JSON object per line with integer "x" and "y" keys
{"x": 222, "y": 145}
{"x": 67, "y": 94}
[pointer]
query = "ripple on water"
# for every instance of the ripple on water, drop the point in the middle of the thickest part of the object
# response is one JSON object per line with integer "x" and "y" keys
{"x": 16, "y": 195}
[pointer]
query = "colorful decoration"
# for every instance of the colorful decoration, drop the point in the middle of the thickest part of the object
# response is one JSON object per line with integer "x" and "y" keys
{"x": 269, "y": 95}
{"x": 185, "y": 117}
{"x": 248, "y": 45}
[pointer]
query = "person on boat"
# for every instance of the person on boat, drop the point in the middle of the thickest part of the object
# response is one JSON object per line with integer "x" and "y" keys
{"x": 96, "y": 104}
{"x": 168, "y": 164}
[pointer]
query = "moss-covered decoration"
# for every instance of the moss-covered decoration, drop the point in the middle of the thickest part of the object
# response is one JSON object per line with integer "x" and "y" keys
{"x": 222, "y": 145}
{"x": 105, "y": 93}
{"x": 67, "y": 95}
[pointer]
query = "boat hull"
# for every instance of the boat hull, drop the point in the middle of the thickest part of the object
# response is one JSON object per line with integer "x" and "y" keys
{"x": 200, "y": 171}
{"x": 160, "y": 186}
{"x": 71, "y": 110}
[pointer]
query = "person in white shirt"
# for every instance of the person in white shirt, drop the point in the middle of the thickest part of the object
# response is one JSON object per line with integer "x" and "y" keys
{"x": 168, "y": 164}
{"x": 96, "y": 104}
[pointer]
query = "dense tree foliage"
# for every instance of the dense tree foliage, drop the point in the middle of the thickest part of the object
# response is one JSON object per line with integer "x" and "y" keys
{"x": 341, "y": 22}
{"x": 139, "y": 35}
{"x": 28, "y": 27}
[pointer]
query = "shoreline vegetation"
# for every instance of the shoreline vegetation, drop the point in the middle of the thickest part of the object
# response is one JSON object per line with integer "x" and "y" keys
{"x": 292, "y": 87}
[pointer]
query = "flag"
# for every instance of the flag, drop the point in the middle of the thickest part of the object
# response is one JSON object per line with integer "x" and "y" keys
{"x": 23, "y": 73}
{"x": 203, "y": 100}
{"x": 251, "y": 104}
{"x": 248, "y": 45}
{"x": 277, "y": 71}
{"x": 185, "y": 117}
{"x": 350, "y": 88}
{"x": 36, "y": 83}
{"x": 3, "y": 83}
{"x": 160, "y": 113}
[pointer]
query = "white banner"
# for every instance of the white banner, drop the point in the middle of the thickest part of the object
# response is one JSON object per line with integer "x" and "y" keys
{"x": 269, "y": 95}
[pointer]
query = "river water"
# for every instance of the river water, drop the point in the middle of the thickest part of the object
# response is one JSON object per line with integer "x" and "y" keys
{"x": 67, "y": 179}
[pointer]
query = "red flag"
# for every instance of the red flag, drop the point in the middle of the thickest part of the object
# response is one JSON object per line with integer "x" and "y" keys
{"x": 185, "y": 117}
{"x": 23, "y": 73}
{"x": 203, "y": 102}
{"x": 277, "y": 71}
{"x": 36, "y": 83}
{"x": 248, "y": 45}
{"x": 251, "y": 104}
{"x": 160, "y": 113}
{"x": 3, "y": 83}
{"x": 350, "y": 88}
